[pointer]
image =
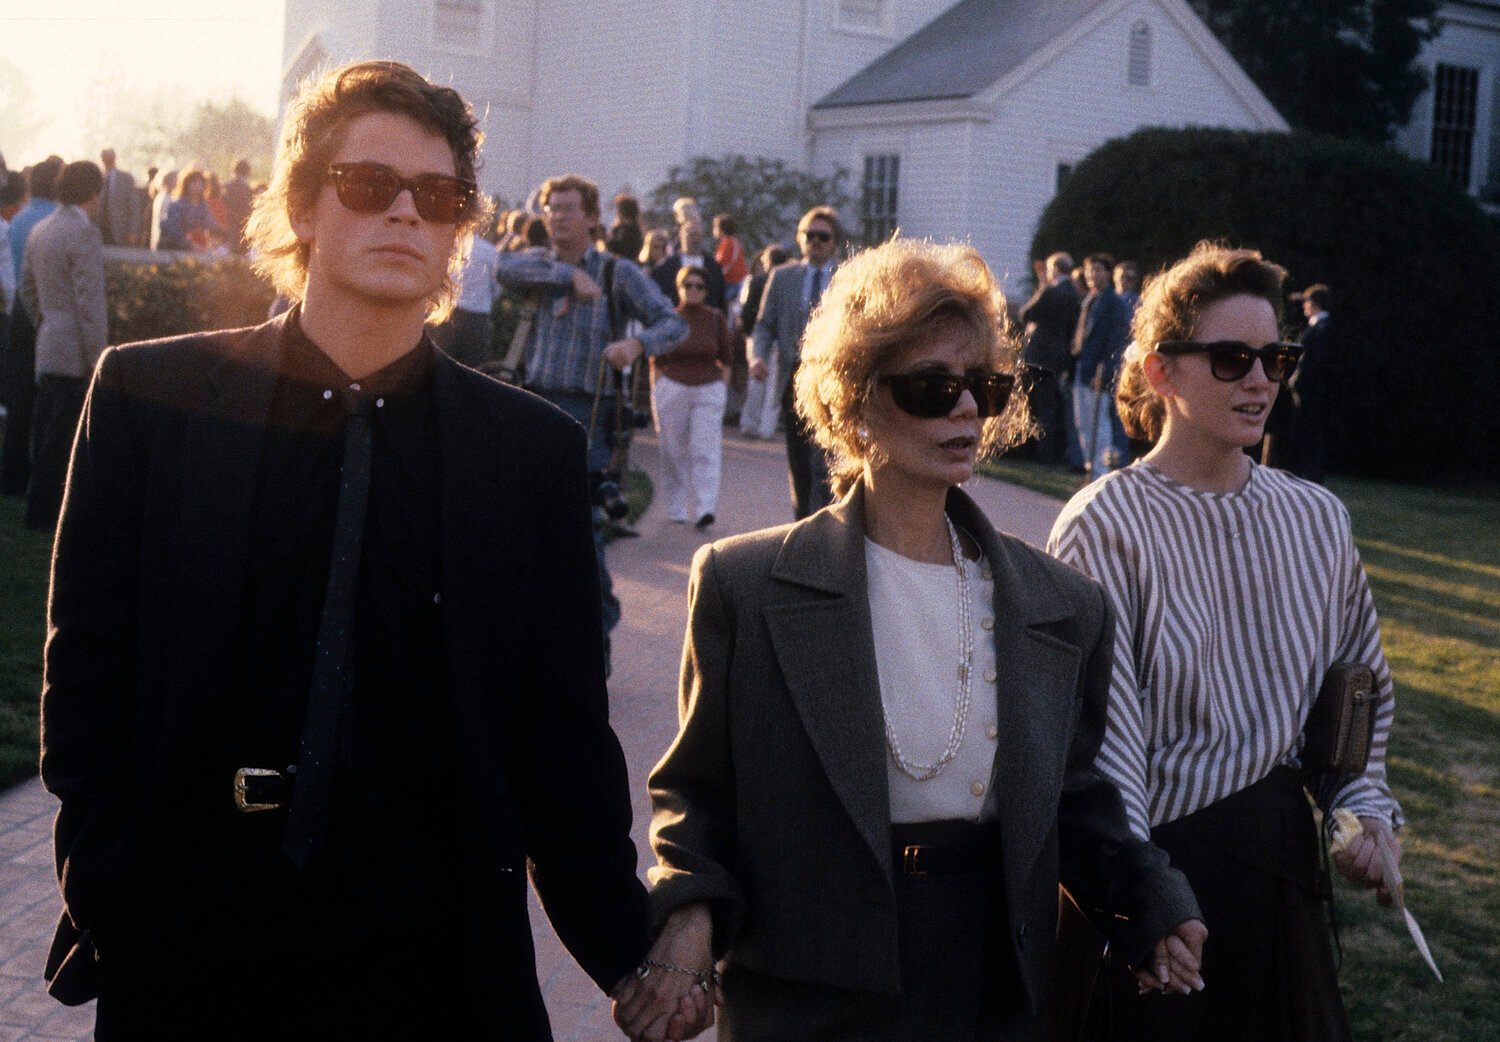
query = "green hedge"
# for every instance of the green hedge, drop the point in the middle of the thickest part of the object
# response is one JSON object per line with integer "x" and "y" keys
{"x": 1413, "y": 262}
{"x": 187, "y": 295}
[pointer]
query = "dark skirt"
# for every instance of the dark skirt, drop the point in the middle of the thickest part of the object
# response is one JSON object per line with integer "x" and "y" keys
{"x": 959, "y": 981}
{"x": 1268, "y": 968}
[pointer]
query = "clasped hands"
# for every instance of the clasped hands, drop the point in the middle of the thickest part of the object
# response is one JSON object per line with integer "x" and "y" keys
{"x": 1176, "y": 961}
{"x": 674, "y": 993}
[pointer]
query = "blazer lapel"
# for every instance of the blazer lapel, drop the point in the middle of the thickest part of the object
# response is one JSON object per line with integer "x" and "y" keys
{"x": 1038, "y": 676}
{"x": 826, "y": 649}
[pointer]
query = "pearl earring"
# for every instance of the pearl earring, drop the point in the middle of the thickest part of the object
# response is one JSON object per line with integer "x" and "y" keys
{"x": 863, "y": 433}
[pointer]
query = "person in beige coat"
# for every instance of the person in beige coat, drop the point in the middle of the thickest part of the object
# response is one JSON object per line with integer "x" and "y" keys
{"x": 889, "y": 717}
{"x": 62, "y": 284}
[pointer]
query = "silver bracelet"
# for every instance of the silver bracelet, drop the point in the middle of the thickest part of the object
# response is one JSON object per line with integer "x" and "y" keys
{"x": 705, "y": 976}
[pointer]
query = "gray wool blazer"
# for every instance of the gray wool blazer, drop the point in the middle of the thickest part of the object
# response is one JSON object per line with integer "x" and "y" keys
{"x": 772, "y": 803}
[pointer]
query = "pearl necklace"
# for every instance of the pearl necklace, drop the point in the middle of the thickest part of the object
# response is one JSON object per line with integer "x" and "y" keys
{"x": 924, "y": 772}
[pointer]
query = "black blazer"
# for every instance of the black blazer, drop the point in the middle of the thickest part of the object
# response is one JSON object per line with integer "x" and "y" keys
{"x": 1053, "y": 312}
{"x": 793, "y": 848}
{"x": 146, "y": 587}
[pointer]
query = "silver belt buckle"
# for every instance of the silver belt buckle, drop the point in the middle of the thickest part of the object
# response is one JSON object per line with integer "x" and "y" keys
{"x": 241, "y": 789}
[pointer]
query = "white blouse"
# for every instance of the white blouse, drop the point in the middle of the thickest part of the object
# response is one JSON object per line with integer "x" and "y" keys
{"x": 915, "y": 614}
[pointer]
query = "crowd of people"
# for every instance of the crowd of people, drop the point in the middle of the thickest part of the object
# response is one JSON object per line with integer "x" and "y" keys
{"x": 330, "y": 619}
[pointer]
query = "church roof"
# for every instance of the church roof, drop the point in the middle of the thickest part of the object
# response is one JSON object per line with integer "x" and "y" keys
{"x": 961, "y": 52}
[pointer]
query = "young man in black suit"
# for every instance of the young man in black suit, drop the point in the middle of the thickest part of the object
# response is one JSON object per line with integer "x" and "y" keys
{"x": 324, "y": 670}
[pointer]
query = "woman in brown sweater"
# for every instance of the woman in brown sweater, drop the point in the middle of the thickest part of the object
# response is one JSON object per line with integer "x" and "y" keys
{"x": 687, "y": 394}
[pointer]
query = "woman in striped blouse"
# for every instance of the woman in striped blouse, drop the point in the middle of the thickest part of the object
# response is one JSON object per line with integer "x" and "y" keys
{"x": 1235, "y": 587}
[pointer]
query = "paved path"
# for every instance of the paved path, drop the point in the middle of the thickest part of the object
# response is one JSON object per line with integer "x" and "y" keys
{"x": 650, "y": 574}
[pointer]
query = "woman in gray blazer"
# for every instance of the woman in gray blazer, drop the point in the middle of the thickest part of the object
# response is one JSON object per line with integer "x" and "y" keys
{"x": 889, "y": 716}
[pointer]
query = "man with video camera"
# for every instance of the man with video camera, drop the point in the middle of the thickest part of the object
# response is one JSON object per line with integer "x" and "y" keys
{"x": 577, "y": 343}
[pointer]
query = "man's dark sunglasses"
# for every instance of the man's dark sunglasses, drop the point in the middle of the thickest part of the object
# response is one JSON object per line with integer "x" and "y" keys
{"x": 695, "y": 285}
{"x": 1231, "y": 360}
{"x": 372, "y": 188}
{"x": 930, "y": 394}
{"x": 817, "y": 235}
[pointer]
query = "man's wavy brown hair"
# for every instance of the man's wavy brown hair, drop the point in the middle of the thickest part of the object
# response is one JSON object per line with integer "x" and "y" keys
{"x": 314, "y": 129}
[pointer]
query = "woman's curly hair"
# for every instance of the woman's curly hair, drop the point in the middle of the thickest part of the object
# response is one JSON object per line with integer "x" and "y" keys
{"x": 1169, "y": 309}
{"x": 897, "y": 295}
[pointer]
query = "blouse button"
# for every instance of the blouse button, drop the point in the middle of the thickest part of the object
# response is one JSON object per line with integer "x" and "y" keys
{"x": 986, "y": 574}
{"x": 992, "y": 732}
{"x": 977, "y": 788}
{"x": 989, "y": 676}
{"x": 327, "y": 395}
{"x": 986, "y": 624}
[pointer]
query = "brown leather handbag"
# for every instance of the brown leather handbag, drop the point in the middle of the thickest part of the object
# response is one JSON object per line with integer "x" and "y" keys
{"x": 1341, "y": 728}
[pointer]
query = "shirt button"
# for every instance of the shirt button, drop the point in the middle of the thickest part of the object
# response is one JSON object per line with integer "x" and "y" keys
{"x": 380, "y": 403}
{"x": 327, "y": 395}
{"x": 986, "y": 624}
{"x": 977, "y": 789}
{"x": 437, "y": 598}
{"x": 992, "y": 732}
{"x": 985, "y": 573}
{"x": 989, "y": 676}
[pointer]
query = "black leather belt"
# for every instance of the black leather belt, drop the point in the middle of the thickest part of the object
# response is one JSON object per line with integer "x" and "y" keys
{"x": 944, "y": 847}
{"x": 261, "y": 788}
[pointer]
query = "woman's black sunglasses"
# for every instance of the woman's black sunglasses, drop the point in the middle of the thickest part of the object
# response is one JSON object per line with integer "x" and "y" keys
{"x": 930, "y": 394}
{"x": 1231, "y": 360}
{"x": 372, "y": 188}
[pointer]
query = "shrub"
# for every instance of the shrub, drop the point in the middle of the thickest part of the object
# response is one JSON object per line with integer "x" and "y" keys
{"x": 1413, "y": 263}
{"x": 187, "y": 295}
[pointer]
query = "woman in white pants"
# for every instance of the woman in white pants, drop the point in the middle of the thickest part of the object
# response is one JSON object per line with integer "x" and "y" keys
{"x": 688, "y": 391}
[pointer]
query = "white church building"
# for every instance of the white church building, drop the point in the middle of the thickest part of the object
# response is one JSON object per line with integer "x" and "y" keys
{"x": 955, "y": 120}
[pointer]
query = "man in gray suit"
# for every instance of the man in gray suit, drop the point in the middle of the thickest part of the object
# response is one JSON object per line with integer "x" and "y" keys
{"x": 791, "y": 293}
{"x": 62, "y": 284}
{"x": 118, "y": 215}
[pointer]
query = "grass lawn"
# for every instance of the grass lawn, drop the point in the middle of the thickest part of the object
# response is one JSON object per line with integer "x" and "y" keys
{"x": 1433, "y": 557}
{"x": 24, "y": 557}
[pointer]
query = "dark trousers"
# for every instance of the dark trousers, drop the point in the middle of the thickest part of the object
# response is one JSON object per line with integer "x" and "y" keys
{"x": 807, "y": 466}
{"x": 400, "y": 922}
{"x": 1051, "y": 409}
{"x": 1252, "y": 860}
{"x": 959, "y": 980}
{"x": 18, "y": 382}
{"x": 59, "y": 404}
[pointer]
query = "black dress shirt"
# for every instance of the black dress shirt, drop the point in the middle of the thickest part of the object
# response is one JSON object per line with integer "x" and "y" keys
{"x": 395, "y": 790}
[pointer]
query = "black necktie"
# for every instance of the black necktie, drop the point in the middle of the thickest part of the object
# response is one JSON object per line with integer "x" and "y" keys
{"x": 307, "y": 823}
{"x": 816, "y": 293}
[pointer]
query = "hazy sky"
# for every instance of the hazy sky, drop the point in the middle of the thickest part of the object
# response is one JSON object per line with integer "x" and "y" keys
{"x": 197, "y": 49}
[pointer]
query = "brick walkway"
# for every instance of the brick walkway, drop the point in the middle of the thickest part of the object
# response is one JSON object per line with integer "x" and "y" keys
{"x": 650, "y": 575}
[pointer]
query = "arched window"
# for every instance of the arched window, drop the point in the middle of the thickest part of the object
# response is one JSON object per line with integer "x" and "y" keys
{"x": 1138, "y": 64}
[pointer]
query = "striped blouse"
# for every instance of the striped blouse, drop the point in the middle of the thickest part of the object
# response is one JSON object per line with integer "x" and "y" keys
{"x": 1230, "y": 608}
